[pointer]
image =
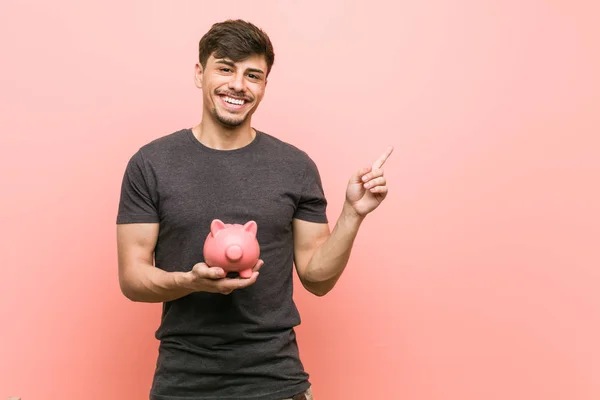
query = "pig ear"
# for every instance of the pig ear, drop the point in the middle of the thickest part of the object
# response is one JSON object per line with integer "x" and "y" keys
{"x": 216, "y": 226}
{"x": 251, "y": 227}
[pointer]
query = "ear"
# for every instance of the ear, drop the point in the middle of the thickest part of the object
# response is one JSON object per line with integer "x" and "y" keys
{"x": 199, "y": 74}
{"x": 251, "y": 227}
{"x": 216, "y": 226}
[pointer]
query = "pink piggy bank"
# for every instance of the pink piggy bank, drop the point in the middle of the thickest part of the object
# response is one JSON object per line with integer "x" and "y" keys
{"x": 232, "y": 247}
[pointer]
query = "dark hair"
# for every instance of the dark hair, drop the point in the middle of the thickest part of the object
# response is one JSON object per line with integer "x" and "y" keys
{"x": 236, "y": 40}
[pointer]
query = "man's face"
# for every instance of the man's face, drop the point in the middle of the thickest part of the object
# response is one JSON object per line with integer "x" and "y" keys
{"x": 232, "y": 91}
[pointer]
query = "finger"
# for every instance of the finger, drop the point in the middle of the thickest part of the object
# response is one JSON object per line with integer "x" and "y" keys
{"x": 258, "y": 265}
{"x": 242, "y": 283}
{"x": 374, "y": 183}
{"x": 381, "y": 160}
{"x": 203, "y": 271}
{"x": 375, "y": 173}
{"x": 381, "y": 190}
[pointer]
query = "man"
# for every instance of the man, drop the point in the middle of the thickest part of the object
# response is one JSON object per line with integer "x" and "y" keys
{"x": 225, "y": 337}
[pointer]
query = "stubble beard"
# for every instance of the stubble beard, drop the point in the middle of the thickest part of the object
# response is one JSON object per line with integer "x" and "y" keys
{"x": 229, "y": 122}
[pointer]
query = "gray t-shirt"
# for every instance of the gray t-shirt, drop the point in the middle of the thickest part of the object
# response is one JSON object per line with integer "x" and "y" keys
{"x": 241, "y": 345}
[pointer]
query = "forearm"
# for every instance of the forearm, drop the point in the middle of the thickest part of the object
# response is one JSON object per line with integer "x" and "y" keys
{"x": 330, "y": 259}
{"x": 148, "y": 284}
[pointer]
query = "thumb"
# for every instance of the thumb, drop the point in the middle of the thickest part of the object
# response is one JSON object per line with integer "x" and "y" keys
{"x": 202, "y": 270}
{"x": 357, "y": 177}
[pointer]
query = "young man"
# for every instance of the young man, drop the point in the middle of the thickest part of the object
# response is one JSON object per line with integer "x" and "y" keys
{"x": 221, "y": 337}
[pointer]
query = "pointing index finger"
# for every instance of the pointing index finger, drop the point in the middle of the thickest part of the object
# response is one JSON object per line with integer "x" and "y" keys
{"x": 381, "y": 160}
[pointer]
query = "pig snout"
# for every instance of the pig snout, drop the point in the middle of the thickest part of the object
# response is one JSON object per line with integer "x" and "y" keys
{"x": 234, "y": 252}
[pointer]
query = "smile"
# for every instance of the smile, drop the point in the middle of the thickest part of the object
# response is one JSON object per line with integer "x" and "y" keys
{"x": 232, "y": 103}
{"x": 231, "y": 100}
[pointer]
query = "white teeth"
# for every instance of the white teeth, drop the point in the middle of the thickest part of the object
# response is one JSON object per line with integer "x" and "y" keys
{"x": 234, "y": 101}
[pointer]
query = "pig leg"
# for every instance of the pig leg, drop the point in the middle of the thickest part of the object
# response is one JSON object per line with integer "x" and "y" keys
{"x": 246, "y": 273}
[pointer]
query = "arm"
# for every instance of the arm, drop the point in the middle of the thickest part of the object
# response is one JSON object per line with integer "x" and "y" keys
{"x": 138, "y": 278}
{"x": 141, "y": 281}
{"x": 321, "y": 256}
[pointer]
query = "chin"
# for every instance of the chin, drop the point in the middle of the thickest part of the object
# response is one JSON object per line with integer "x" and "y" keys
{"x": 231, "y": 122}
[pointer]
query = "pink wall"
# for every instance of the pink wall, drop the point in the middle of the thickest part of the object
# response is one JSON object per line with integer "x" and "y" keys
{"x": 477, "y": 279}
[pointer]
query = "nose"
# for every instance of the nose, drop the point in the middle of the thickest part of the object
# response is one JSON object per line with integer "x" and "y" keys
{"x": 234, "y": 253}
{"x": 237, "y": 83}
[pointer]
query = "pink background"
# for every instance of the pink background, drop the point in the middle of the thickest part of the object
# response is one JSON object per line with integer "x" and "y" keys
{"x": 477, "y": 279}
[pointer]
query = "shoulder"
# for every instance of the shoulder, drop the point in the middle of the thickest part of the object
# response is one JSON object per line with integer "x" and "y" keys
{"x": 161, "y": 149}
{"x": 284, "y": 150}
{"x": 166, "y": 143}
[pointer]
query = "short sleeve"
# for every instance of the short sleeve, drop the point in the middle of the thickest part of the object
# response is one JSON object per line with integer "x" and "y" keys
{"x": 312, "y": 206}
{"x": 137, "y": 202}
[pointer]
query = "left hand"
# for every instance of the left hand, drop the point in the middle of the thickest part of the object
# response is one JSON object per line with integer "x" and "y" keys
{"x": 367, "y": 188}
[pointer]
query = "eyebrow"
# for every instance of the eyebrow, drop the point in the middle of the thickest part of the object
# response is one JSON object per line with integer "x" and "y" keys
{"x": 231, "y": 64}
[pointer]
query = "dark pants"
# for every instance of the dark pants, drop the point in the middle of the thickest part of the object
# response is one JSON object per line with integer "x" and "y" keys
{"x": 302, "y": 396}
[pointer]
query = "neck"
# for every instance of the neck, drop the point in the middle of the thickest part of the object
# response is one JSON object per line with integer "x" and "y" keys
{"x": 215, "y": 135}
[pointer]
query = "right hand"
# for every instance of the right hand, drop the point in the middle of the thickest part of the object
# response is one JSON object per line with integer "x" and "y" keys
{"x": 203, "y": 278}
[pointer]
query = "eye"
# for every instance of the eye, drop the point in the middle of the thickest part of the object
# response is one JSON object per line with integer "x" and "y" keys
{"x": 254, "y": 77}
{"x": 225, "y": 69}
